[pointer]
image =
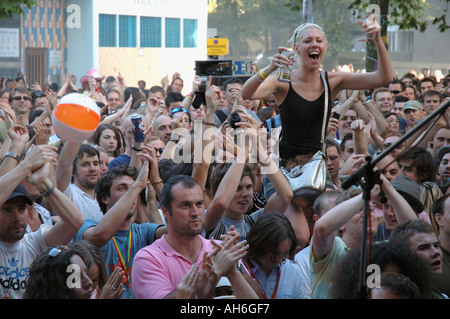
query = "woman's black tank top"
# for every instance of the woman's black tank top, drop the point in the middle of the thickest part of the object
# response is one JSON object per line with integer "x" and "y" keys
{"x": 301, "y": 122}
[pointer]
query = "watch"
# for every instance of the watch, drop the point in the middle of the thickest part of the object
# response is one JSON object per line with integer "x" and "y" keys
{"x": 13, "y": 155}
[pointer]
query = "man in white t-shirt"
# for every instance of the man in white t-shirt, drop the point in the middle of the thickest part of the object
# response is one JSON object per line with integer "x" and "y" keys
{"x": 80, "y": 163}
{"x": 19, "y": 249}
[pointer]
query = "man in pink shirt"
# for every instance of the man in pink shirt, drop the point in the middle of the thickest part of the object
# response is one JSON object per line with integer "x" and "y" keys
{"x": 159, "y": 268}
{"x": 182, "y": 264}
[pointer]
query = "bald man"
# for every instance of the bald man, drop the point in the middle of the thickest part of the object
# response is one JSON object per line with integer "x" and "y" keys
{"x": 161, "y": 128}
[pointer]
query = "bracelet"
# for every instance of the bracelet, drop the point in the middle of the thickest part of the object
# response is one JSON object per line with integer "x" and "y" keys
{"x": 263, "y": 74}
{"x": 13, "y": 155}
{"x": 191, "y": 96}
{"x": 208, "y": 123}
{"x": 136, "y": 149}
{"x": 257, "y": 77}
{"x": 49, "y": 192}
{"x": 158, "y": 182}
{"x": 366, "y": 101}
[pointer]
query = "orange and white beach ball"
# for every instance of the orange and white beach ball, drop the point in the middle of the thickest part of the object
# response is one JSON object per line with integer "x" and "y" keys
{"x": 75, "y": 117}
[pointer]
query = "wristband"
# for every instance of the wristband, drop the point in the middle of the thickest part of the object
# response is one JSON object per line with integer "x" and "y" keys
{"x": 158, "y": 182}
{"x": 13, "y": 155}
{"x": 49, "y": 192}
{"x": 263, "y": 74}
{"x": 136, "y": 149}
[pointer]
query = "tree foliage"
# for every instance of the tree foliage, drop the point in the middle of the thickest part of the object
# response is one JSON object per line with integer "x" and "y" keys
{"x": 10, "y": 7}
{"x": 407, "y": 14}
{"x": 244, "y": 20}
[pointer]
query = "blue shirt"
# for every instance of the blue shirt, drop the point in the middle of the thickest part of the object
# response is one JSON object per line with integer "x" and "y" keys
{"x": 122, "y": 159}
{"x": 143, "y": 235}
{"x": 289, "y": 284}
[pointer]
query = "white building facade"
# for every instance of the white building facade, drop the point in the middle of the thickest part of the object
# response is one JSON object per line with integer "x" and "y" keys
{"x": 138, "y": 39}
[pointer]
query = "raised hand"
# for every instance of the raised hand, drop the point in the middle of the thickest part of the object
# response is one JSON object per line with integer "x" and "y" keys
{"x": 40, "y": 155}
{"x": 39, "y": 130}
{"x": 18, "y": 134}
{"x": 224, "y": 258}
{"x": 186, "y": 288}
{"x": 279, "y": 60}
{"x": 371, "y": 29}
{"x": 208, "y": 279}
{"x": 113, "y": 289}
{"x": 212, "y": 94}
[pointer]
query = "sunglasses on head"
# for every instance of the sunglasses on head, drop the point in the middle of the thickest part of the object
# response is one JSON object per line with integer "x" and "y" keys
{"x": 180, "y": 109}
{"x": 18, "y": 98}
{"x": 56, "y": 250}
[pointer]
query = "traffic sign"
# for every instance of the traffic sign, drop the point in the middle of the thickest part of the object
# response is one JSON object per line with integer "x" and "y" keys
{"x": 217, "y": 46}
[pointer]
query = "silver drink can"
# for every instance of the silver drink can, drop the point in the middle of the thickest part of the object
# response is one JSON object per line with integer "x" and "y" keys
{"x": 284, "y": 73}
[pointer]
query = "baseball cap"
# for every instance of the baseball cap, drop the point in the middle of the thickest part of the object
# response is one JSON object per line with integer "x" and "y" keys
{"x": 412, "y": 105}
{"x": 442, "y": 151}
{"x": 20, "y": 191}
{"x": 410, "y": 191}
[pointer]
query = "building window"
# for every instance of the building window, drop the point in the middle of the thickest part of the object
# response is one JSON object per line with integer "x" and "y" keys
{"x": 400, "y": 41}
{"x": 190, "y": 33}
{"x": 173, "y": 33}
{"x": 150, "y": 32}
{"x": 107, "y": 30}
{"x": 127, "y": 31}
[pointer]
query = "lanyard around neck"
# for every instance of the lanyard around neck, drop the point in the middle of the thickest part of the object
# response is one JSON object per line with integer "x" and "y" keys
{"x": 252, "y": 274}
{"x": 125, "y": 265}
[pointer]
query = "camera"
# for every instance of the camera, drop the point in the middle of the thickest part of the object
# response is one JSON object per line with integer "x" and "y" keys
{"x": 202, "y": 87}
{"x": 234, "y": 118}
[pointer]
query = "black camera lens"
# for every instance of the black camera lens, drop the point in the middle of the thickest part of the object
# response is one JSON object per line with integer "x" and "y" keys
{"x": 234, "y": 118}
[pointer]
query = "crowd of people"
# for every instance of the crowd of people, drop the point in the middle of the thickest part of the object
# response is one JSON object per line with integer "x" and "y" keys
{"x": 116, "y": 217}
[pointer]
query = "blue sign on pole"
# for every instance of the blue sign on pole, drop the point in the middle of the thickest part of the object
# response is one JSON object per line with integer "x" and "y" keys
{"x": 242, "y": 68}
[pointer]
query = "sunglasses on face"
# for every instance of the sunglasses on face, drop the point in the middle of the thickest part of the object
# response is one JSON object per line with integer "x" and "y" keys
{"x": 18, "y": 98}
{"x": 159, "y": 150}
{"x": 395, "y": 92}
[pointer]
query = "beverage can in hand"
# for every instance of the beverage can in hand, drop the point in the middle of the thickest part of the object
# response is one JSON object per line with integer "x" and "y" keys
{"x": 284, "y": 73}
{"x": 138, "y": 130}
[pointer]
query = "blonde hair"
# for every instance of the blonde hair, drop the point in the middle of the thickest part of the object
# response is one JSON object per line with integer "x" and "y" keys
{"x": 297, "y": 32}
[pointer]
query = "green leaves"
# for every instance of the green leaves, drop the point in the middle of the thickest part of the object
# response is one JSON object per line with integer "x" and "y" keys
{"x": 407, "y": 15}
{"x": 443, "y": 26}
{"x": 9, "y": 7}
